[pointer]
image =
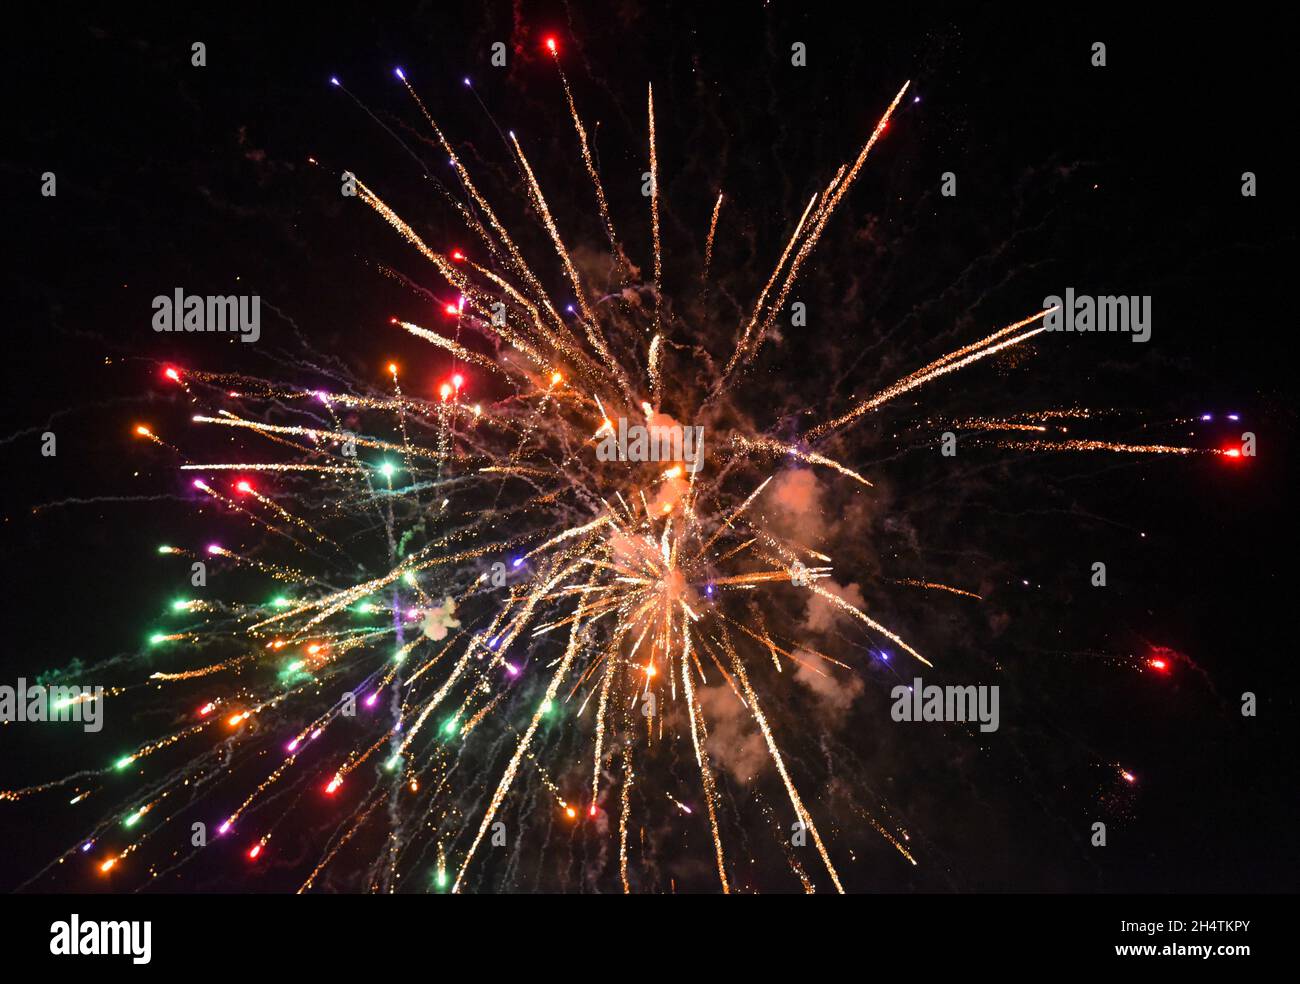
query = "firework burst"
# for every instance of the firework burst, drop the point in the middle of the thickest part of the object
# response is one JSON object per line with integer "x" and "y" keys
{"x": 458, "y": 578}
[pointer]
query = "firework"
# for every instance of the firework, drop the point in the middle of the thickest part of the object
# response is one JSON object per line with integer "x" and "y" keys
{"x": 516, "y": 585}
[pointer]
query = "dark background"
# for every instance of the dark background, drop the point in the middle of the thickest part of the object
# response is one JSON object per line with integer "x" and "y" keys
{"x": 1119, "y": 179}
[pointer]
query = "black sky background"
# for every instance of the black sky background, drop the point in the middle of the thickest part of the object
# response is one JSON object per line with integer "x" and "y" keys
{"x": 1119, "y": 179}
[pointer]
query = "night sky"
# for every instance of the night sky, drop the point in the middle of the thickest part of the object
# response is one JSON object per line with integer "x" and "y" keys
{"x": 1124, "y": 179}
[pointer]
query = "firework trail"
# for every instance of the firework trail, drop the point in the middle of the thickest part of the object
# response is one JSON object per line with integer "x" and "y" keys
{"x": 654, "y": 207}
{"x": 708, "y": 243}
